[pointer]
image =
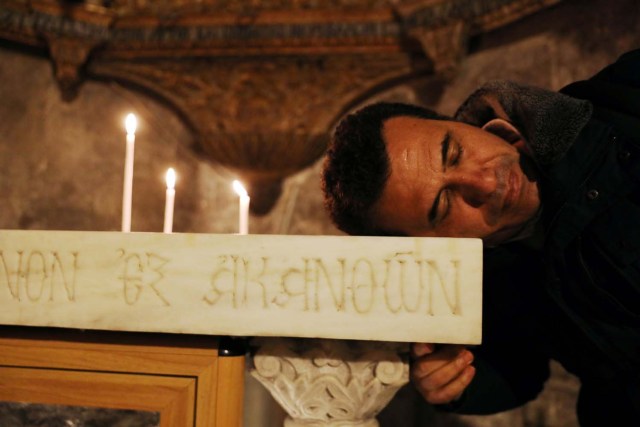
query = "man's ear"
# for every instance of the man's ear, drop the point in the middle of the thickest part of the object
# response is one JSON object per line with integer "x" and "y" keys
{"x": 508, "y": 132}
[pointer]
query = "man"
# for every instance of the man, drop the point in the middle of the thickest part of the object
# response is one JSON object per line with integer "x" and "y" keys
{"x": 551, "y": 183}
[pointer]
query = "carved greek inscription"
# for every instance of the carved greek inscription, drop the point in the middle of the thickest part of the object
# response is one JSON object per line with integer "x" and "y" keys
{"x": 400, "y": 283}
{"x": 232, "y": 280}
{"x": 140, "y": 272}
{"x": 35, "y": 275}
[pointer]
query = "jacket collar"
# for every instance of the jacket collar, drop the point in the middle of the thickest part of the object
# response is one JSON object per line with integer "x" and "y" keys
{"x": 549, "y": 121}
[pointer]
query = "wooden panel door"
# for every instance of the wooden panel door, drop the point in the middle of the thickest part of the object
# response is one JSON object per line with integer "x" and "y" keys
{"x": 181, "y": 377}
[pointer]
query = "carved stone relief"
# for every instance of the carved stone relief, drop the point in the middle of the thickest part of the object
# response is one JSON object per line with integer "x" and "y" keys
{"x": 328, "y": 382}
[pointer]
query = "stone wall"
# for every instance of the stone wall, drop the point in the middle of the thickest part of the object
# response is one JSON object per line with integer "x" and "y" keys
{"x": 61, "y": 164}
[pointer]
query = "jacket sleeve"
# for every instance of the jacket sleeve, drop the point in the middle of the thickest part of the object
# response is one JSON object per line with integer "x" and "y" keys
{"x": 512, "y": 364}
{"x": 505, "y": 379}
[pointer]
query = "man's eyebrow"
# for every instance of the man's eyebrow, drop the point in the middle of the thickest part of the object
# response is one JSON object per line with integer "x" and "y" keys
{"x": 445, "y": 148}
{"x": 433, "y": 212}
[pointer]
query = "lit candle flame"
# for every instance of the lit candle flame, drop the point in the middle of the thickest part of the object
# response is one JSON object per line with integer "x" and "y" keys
{"x": 239, "y": 188}
{"x": 171, "y": 178}
{"x": 131, "y": 123}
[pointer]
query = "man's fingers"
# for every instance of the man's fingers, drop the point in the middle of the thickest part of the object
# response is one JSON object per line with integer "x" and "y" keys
{"x": 451, "y": 391}
{"x": 443, "y": 375}
{"x": 447, "y": 372}
{"x": 419, "y": 349}
{"x": 430, "y": 363}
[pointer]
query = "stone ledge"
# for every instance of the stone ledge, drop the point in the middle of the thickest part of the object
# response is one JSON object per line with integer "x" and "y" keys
{"x": 365, "y": 288}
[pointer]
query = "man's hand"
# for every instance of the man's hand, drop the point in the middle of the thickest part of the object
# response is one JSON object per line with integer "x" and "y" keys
{"x": 442, "y": 374}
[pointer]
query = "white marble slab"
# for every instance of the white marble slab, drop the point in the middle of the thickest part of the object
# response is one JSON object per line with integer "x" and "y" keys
{"x": 367, "y": 288}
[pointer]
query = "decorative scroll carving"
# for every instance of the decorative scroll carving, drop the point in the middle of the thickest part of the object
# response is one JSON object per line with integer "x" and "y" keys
{"x": 330, "y": 383}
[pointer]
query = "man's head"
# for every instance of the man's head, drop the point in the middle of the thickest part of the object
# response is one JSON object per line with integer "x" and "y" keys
{"x": 404, "y": 170}
{"x": 356, "y": 166}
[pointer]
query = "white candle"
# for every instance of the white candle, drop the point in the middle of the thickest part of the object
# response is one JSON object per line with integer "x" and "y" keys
{"x": 127, "y": 191}
{"x": 243, "y": 217}
{"x": 168, "y": 206}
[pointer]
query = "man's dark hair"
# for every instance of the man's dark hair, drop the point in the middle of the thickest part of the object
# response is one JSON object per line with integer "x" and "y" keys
{"x": 356, "y": 166}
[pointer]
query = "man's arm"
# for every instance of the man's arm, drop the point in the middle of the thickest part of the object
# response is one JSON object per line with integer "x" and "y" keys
{"x": 441, "y": 374}
{"x": 512, "y": 364}
{"x": 478, "y": 381}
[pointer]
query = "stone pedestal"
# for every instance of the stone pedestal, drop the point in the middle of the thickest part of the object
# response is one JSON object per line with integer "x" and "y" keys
{"x": 330, "y": 383}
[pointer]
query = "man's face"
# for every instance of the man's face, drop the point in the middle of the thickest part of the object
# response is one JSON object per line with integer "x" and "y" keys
{"x": 450, "y": 179}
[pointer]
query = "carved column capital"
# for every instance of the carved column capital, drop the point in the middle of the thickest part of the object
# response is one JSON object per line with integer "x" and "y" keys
{"x": 322, "y": 383}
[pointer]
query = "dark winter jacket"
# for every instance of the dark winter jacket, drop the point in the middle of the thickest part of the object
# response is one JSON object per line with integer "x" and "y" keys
{"x": 574, "y": 295}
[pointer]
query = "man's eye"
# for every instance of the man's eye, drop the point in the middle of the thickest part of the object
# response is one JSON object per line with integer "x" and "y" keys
{"x": 456, "y": 153}
{"x": 444, "y": 203}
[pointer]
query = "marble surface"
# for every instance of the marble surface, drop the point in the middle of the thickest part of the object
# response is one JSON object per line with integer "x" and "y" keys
{"x": 367, "y": 288}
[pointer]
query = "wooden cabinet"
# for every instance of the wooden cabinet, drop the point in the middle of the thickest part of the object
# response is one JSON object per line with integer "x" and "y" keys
{"x": 184, "y": 379}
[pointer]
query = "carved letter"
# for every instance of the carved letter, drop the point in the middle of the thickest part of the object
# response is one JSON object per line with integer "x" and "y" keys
{"x": 156, "y": 262}
{"x": 401, "y": 263}
{"x": 449, "y": 286}
{"x": 69, "y": 285}
{"x": 288, "y": 288}
{"x": 257, "y": 279}
{"x": 370, "y": 284}
{"x": 33, "y": 270}
{"x": 9, "y": 273}
{"x": 136, "y": 272}
{"x": 132, "y": 282}
{"x": 338, "y": 295}
{"x": 217, "y": 291}
{"x": 404, "y": 292}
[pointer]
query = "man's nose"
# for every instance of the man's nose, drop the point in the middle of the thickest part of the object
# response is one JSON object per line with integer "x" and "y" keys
{"x": 476, "y": 186}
